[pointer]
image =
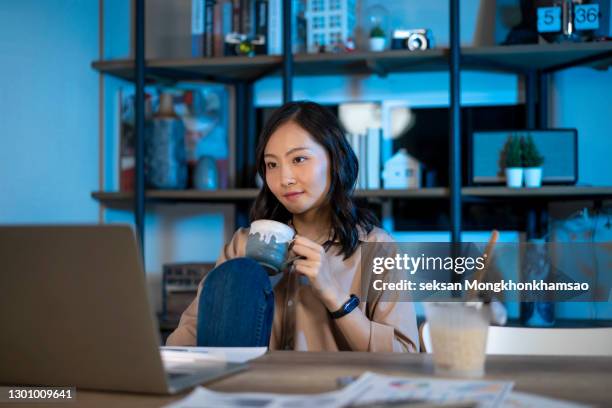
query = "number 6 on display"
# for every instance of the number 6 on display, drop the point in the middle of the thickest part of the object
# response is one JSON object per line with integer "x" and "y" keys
{"x": 586, "y": 17}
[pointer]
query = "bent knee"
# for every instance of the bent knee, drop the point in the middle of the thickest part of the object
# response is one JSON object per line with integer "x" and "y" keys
{"x": 238, "y": 267}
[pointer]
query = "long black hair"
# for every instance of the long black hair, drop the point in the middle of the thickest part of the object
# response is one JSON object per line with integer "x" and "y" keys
{"x": 326, "y": 129}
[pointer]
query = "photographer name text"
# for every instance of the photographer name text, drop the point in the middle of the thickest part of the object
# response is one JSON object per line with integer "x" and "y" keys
{"x": 500, "y": 286}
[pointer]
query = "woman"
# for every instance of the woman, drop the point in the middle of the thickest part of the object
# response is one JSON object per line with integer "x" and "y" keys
{"x": 310, "y": 171}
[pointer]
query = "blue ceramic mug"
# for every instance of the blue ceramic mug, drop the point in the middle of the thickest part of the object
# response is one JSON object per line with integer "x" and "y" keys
{"x": 269, "y": 243}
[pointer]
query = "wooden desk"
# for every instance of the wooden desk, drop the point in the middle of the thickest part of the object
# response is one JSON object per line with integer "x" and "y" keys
{"x": 582, "y": 379}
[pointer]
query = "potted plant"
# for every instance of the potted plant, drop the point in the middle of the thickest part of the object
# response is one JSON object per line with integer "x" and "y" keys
{"x": 513, "y": 162}
{"x": 377, "y": 39}
{"x": 532, "y": 162}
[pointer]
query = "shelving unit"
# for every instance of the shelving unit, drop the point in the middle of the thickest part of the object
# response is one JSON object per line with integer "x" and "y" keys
{"x": 221, "y": 69}
{"x": 548, "y": 193}
{"x": 534, "y": 62}
{"x": 518, "y": 58}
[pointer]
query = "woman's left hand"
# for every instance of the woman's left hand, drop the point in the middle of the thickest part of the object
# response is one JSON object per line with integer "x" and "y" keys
{"x": 315, "y": 266}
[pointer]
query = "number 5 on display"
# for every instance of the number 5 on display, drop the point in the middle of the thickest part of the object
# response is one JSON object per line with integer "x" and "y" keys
{"x": 549, "y": 19}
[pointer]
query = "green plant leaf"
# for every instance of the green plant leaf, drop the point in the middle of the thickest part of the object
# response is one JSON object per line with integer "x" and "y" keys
{"x": 377, "y": 32}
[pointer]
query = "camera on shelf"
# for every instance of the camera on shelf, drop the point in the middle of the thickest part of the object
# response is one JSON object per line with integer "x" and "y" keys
{"x": 418, "y": 39}
{"x": 243, "y": 44}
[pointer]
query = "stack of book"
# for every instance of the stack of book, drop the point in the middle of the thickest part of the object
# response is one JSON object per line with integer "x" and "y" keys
{"x": 209, "y": 28}
{"x": 367, "y": 148}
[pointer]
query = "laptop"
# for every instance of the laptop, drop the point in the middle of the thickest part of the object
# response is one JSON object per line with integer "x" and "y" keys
{"x": 75, "y": 312}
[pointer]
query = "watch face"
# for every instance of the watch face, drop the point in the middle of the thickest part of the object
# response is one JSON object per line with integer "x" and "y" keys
{"x": 351, "y": 304}
{"x": 346, "y": 308}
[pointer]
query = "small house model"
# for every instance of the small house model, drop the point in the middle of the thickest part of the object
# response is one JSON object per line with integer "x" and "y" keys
{"x": 402, "y": 171}
{"x": 329, "y": 23}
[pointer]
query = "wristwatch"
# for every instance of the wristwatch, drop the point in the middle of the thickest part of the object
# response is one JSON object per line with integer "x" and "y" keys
{"x": 346, "y": 308}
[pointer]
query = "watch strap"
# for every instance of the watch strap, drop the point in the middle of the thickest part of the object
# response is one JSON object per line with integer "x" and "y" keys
{"x": 346, "y": 308}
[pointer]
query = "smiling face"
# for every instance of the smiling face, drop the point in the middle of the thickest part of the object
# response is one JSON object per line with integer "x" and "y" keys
{"x": 297, "y": 169}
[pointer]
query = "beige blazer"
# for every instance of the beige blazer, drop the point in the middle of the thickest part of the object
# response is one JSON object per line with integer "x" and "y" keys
{"x": 301, "y": 321}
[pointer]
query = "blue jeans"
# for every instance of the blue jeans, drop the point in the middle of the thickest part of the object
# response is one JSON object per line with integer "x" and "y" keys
{"x": 236, "y": 306}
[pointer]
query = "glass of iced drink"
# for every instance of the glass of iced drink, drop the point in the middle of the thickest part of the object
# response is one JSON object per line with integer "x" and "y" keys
{"x": 458, "y": 333}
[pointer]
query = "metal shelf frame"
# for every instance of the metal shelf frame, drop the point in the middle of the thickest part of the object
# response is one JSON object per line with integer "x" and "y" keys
{"x": 535, "y": 63}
